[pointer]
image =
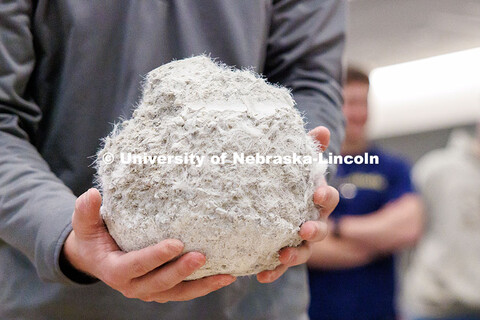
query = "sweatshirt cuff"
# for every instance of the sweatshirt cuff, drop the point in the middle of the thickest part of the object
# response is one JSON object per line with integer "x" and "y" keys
{"x": 64, "y": 268}
{"x": 50, "y": 243}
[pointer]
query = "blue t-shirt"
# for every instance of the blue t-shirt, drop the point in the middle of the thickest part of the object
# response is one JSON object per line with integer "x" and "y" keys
{"x": 365, "y": 292}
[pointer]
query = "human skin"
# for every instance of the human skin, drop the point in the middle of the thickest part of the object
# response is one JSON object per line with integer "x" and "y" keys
{"x": 355, "y": 110}
{"x": 395, "y": 226}
{"x": 150, "y": 274}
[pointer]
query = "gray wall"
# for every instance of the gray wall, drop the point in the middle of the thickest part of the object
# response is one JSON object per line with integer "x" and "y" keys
{"x": 414, "y": 146}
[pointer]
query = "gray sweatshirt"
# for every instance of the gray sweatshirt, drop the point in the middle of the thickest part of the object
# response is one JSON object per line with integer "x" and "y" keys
{"x": 70, "y": 68}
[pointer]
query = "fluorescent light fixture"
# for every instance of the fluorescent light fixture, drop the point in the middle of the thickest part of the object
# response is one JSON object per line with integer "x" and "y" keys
{"x": 425, "y": 94}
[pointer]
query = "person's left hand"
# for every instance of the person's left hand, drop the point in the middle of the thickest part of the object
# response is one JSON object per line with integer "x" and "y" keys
{"x": 326, "y": 198}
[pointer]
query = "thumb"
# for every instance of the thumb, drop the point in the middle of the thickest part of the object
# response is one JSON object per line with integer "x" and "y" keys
{"x": 86, "y": 217}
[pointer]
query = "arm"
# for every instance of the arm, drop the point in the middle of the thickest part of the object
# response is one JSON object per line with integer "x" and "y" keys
{"x": 339, "y": 253}
{"x": 36, "y": 207}
{"x": 363, "y": 238}
{"x": 395, "y": 226}
{"x": 304, "y": 53}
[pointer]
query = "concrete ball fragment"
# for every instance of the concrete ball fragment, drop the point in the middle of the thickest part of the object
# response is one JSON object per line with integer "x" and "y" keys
{"x": 238, "y": 215}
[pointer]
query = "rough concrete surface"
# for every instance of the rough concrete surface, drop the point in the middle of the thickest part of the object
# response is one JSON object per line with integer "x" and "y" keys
{"x": 238, "y": 215}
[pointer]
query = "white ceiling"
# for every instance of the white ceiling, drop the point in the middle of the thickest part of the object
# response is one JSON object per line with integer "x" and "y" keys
{"x": 385, "y": 32}
{"x": 388, "y": 32}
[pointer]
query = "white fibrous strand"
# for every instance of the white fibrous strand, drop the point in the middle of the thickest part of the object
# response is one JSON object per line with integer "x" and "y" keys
{"x": 238, "y": 215}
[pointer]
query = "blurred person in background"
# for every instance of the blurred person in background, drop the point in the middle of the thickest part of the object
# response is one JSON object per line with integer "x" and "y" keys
{"x": 442, "y": 280}
{"x": 352, "y": 272}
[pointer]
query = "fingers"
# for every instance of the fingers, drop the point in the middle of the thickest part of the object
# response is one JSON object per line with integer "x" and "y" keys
{"x": 289, "y": 257}
{"x": 326, "y": 197}
{"x": 147, "y": 274}
{"x": 161, "y": 279}
{"x": 272, "y": 275}
{"x": 314, "y": 230}
{"x": 169, "y": 275}
{"x": 188, "y": 290}
{"x": 138, "y": 263}
{"x": 86, "y": 217}
{"x": 322, "y": 135}
{"x": 294, "y": 256}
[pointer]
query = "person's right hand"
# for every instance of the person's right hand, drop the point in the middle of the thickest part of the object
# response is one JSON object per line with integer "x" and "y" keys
{"x": 147, "y": 274}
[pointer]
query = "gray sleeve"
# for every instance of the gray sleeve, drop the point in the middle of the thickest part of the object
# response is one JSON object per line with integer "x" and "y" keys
{"x": 35, "y": 206}
{"x": 304, "y": 53}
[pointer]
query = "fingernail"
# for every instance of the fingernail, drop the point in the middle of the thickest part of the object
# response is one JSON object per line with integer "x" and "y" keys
{"x": 195, "y": 263}
{"x": 82, "y": 202}
{"x": 286, "y": 256}
{"x": 322, "y": 195}
{"x": 175, "y": 246}
{"x": 270, "y": 277}
{"x": 291, "y": 257}
{"x": 307, "y": 234}
{"x": 87, "y": 196}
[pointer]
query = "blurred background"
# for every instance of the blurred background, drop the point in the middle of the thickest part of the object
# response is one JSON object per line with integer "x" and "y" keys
{"x": 423, "y": 57}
